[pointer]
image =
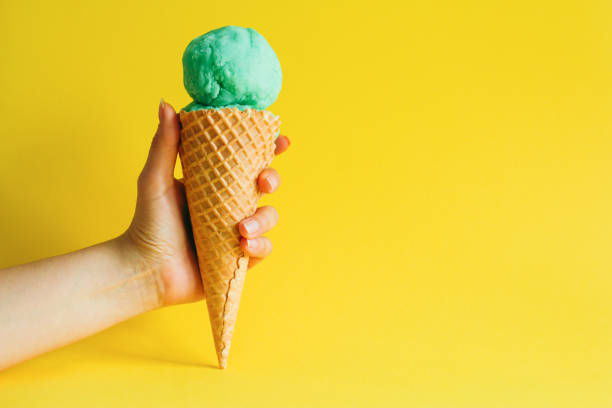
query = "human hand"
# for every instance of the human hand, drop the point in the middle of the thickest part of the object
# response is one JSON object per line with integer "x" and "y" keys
{"x": 160, "y": 238}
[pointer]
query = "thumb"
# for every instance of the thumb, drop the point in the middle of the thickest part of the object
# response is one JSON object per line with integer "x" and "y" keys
{"x": 159, "y": 168}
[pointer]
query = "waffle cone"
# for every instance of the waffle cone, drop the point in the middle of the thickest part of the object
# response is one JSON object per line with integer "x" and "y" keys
{"x": 222, "y": 153}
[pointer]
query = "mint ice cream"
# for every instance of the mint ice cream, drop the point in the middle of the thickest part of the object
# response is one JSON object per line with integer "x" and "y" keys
{"x": 231, "y": 67}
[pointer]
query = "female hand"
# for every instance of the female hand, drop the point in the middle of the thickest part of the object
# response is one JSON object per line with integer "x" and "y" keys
{"x": 159, "y": 237}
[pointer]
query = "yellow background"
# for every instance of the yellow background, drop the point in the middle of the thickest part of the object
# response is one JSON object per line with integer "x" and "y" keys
{"x": 446, "y": 207}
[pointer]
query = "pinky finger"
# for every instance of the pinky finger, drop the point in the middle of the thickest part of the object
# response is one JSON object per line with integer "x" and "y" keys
{"x": 254, "y": 261}
{"x": 256, "y": 247}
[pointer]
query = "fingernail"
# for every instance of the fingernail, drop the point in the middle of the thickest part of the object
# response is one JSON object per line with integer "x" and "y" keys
{"x": 161, "y": 106}
{"x": 252, "y": 244}
{"x": 250, "y": 226}
{"x": 272, "y": 183}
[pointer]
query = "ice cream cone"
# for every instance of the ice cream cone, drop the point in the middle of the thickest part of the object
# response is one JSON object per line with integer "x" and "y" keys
{"x": 222, "y": 153}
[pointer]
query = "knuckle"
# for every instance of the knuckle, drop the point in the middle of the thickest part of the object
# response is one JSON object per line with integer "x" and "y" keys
{"x": 151, "y": 182}
{"x": 273, "y": 179}
{"x": 268, "y": 245}
{"x": 265, "y": 174}
{"x": 271, "y": 214}
{"x": 271, "y": 173}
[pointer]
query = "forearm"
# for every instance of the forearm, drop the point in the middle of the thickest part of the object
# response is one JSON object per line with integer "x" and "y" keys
{"x": 56, "y": 301}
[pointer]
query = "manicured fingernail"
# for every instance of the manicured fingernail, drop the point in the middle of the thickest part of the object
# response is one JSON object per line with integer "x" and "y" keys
{"x": 272, "y": 183}
{"x": 250, "y": 226}
{"x": 161, "y": 106}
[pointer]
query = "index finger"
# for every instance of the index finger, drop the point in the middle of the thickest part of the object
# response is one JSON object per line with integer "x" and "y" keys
{"x": 282, "y": 144}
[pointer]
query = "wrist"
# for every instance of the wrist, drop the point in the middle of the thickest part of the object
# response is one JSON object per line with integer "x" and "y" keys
{"x": 140, "y": 271}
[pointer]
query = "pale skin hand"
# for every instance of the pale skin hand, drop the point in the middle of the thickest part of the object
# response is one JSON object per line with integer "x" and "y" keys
{"x": 53, "y": 302}
{"x": 160, "y": 230}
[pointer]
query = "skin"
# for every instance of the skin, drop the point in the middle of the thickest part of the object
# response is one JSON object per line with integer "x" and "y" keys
{"x": 56, "y": 301}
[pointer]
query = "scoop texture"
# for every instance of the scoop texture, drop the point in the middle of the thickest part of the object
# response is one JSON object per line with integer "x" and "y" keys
{"x": 231, "y": 67}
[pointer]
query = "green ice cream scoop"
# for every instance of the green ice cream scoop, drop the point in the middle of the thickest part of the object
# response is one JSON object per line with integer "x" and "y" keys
{"x": 231, "y": 67}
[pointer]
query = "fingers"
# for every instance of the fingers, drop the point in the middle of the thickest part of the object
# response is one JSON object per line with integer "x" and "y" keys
{"x": 254, "y": 261}
{"x": 264, "y": 219}
{"x": 257, "y": 247}
{"x": 282, "y": 144}
{"x": 268, "y": 180}
{"x": 164, "y": 148}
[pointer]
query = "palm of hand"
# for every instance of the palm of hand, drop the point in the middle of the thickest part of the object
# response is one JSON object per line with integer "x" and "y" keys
{"x": 161, "y": 232}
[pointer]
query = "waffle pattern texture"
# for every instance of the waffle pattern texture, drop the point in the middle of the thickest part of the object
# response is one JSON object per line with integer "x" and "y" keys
{"x": 222, "y": 153}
